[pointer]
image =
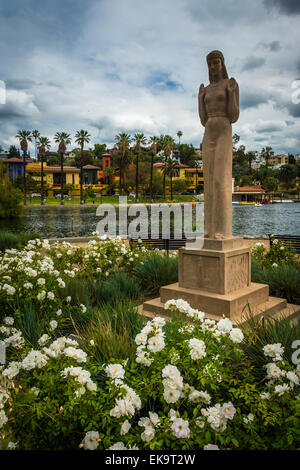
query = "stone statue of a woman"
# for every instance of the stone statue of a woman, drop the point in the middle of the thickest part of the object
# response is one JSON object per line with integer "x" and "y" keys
{"x": 218, "y": 108}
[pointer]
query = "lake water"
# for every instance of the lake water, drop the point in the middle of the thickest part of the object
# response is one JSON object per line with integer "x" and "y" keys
{"x": 68, "y": 221}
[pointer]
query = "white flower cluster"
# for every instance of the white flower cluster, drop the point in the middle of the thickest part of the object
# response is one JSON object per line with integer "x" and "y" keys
{"x": 149, "y": 425}
{"x": 14, "y": 337}
{"x": 3, "y": 418}
{"x": 225, "y": 326}
{"x": 34, "y": 359}
{"x": 91, "y": 440}
{"x": 184, "y": 307}
{"x": 179, "y": 427}
{"x": 129, "y": 401}
{"x": 218, "y": 415}
{"x": 83, "y": 377}
{"x": 150, "y": 341}
{"x": 173, "y": 383}
{"x": 197, "y": 349}
{"x": 65, "y": 346}
{"x": 275, "y": 374}
{"x": 121, "y": 446}
{"x": 275, "y": 351}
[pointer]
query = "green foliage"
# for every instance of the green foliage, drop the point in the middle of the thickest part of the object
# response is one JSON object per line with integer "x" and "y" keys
{"x": 112, "y": 330}
{"x": 10, "y": 202}
{"x": 279, "y": 254}
{"x": 283, "y": 280}
{"x": 157, "y": 270}
{"x": 15, "y": 240}
{"x": 260, "y": 332}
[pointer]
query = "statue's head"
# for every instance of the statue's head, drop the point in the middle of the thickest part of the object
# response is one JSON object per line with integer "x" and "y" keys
{"x": 216, "y": 66}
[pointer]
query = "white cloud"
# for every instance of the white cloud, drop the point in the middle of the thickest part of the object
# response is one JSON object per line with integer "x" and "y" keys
{"x": 137, "y": 66}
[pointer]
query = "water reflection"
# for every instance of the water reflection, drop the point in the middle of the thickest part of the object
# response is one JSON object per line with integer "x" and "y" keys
{"x": 68, "y": 221}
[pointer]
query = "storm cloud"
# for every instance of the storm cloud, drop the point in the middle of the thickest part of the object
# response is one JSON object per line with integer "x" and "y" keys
{"x": 112, "y": 67}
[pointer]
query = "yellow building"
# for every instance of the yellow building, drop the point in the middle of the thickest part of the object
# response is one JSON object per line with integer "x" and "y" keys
{"x": 52, "y": 174}
{"x": 194, "y": 176}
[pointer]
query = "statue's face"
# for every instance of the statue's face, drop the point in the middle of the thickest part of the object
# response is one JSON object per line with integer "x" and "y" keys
{"x": 215, "y": 67}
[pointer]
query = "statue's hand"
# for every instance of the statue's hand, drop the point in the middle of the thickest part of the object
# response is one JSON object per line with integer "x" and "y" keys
{"x": 231, "y": 85}
{"x": 201, "y": 90}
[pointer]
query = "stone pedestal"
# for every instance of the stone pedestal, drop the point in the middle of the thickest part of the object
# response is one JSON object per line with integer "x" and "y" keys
{"x": 217, "y": 280}
{"x": 219, "y": 267}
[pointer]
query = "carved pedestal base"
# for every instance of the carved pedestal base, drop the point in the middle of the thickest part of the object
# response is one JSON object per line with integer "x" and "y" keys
{"x": 221, "y": 270}
{"x": 217, "y": 281}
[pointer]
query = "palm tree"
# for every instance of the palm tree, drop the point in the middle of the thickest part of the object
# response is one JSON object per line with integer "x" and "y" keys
{"x": 35, "y": 134}
{"x": 267, "y": 153}
{"x": 197, "y": 164}
{"x": 24, "y": 137}
{"x": 123, "y": 142}
{"x": 167, "y": 144}
{"x": 62, "y": 139}
{"x": 153, "y": 141}
{"x": 140, "y": 140}
{"x": 250, "y": 157}
{"x": 170, "y": 170}
{"x": 179, "y": 134}
{"x": 82, "y": 137}
{"x": 44, "y": 144}
{"x": 109, "y": 172}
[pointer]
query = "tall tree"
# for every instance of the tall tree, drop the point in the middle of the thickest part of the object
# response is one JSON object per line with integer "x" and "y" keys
{"x": 62, "y": 139}
{"x": 288, "y": 174}
{"x": 267, "y": 153}
{"x": 153, "y": 149}
{"x": 13, "y": 152}
{"x": 179, "y": 135}
{"x": 82, "y": 137}
{"x": 250, "y": 157}
{"x": 170, "y": 170}
{"x": 140, "y": 140}
{"x": 35, "y": 134}
{"x": 24, "y": 137}
{"x": 43, "y": 145}
{"x": 123, "y": 157}
{"x": 168, "y": 145}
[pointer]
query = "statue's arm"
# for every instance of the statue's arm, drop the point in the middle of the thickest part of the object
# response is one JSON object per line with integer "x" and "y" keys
{"x": 201, "y": 105}
{"x": 233, "y": 100}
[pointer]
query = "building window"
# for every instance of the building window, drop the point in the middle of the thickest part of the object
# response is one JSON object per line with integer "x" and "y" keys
{"x": 57, "y": 178}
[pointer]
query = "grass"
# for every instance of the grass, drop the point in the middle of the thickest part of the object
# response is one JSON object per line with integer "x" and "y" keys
{"x": 284, "y": 280}
{"x": 113, "y": 331}
{"x": 50, "y": 201}
{"x": 15, "y": 240}
{"x": 156, "y": 271}
{"x": 258, "y": 334}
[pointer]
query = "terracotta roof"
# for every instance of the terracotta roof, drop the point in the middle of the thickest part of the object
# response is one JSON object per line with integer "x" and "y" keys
{"x": 250, "y": 188}
{"x": 106, "y": 154}
{"x": 51, "y": 169}
{"x": 195, "y": 170}
{"x": 13, "y": 160}
{"x": 91, "y": 167}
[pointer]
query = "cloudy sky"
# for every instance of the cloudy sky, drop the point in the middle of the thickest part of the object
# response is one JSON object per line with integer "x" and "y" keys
{"x": 111, "y": 66}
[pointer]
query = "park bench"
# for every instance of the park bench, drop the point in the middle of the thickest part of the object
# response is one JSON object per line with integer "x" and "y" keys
{"x": 287, "y": 240}
{"x": 160, "y": 243}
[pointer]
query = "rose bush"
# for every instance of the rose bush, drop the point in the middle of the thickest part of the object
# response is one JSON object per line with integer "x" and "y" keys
{"x": 189, "y": 387}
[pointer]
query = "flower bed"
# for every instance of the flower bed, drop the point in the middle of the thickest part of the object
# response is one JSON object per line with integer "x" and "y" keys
{"x": 189, "y": 384}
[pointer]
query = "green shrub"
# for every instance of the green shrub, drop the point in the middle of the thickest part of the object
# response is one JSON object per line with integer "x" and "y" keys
{"x": 268, "y": 331}
{"x": 112, "y": 330}
{"x": 15, "y": 240}
{"x": 284, "y": 280}
{"x": 191, "y": 389}
{"x": 278, "y": 254}
{"x": 10, "y": 202}
{"x": 156, "y": 270}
